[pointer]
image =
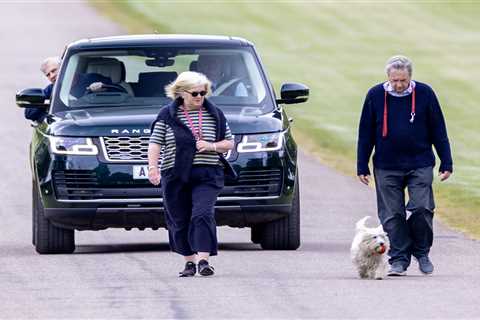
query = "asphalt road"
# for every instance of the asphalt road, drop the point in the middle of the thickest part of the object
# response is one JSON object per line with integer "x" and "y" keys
{"x": 120, "y": 274}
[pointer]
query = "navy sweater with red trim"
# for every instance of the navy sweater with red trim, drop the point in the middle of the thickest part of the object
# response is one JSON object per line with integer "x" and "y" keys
{"x": 407, "y": 145}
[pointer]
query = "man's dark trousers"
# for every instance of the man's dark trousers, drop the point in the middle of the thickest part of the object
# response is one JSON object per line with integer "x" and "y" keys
{"x": 412, "y": 236}
{"x": 189, "y": 210}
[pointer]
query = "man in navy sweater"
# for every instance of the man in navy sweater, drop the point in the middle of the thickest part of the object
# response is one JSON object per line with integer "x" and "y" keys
{"x": 49, "y": 68}
{"x": 402, "y": 120}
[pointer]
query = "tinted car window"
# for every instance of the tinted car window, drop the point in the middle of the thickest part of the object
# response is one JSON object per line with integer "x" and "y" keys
{"x": 136, "y": 77}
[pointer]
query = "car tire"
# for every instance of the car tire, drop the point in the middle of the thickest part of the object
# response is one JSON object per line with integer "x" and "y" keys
{"x": 48, "y": 238}
{"x": 34, "y": 220}
{"x": 284, "y": 234}
{"x": 256, "y": 233}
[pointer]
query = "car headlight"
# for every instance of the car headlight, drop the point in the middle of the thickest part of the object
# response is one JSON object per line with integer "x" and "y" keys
{"x": 261, "y": 142}
{"x": 75, "y": 146}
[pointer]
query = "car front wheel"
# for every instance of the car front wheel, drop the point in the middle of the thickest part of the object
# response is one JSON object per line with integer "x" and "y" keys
{"x": 47, "y": 237}
{"x": 284, "y": 234}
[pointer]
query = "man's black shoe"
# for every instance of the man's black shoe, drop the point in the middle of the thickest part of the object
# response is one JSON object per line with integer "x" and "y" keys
{"x": 204, "y": 268}
{"x": 189, "y": 271}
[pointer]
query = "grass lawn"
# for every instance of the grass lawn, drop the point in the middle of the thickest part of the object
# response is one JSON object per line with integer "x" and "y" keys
{"x": 339, "y": 49}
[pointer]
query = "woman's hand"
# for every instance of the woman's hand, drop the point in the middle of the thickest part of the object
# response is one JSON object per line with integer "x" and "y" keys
{"x": 154, "y": 176}
{"x": 219, "y": 146}
{"x": 203, "y": 146}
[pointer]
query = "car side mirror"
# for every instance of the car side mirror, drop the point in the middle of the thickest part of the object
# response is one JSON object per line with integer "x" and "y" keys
{"x": 31, "y": 98}
{"x": 293, "y": 93}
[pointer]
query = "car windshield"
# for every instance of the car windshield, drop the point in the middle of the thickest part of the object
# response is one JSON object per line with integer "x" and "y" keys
{"x": 137, "y": 77}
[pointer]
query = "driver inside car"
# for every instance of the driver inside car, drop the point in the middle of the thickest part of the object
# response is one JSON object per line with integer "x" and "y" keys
{"x": 111, "y": 68}
{"x": 86, "y": 83}
{"x": 96, "y": 86}
{"x": 101, "y": 74}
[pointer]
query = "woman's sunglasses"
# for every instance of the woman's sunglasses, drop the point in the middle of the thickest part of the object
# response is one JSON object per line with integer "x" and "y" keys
{"x": 196, "y": 93}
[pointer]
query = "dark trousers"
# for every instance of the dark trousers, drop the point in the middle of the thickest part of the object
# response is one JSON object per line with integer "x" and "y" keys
{"x": 412, "y": 236}
{"x": 189, "y": 210}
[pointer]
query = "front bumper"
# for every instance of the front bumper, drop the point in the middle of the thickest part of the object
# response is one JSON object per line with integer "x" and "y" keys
{"x": 152, "y": 216}
{"x": 81, "y": 192}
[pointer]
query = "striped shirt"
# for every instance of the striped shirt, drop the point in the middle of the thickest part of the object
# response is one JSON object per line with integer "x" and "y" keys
{"x": 162, "y": 135}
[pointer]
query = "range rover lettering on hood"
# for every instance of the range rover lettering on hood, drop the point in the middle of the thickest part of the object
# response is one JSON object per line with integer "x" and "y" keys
{"x": 130, "y": 131}
{"x": 123, "y": 121}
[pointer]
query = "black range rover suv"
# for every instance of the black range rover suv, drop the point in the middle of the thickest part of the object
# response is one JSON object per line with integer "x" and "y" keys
{"x": 89, "y": 156}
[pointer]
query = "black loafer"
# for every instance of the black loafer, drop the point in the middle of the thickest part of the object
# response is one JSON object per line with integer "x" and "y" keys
{"x": 189, "y": 271}
{"x": 205, "y": 269}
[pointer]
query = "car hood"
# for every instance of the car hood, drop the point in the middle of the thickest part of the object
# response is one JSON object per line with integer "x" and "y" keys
{"x": 136, "y": 121}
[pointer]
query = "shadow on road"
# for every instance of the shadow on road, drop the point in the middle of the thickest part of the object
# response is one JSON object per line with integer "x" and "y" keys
{"x": 148, "y": 247}
{"x": 325, "y": 247}
{"x": 121, "y": 248}
{"x": 236, "y": 246}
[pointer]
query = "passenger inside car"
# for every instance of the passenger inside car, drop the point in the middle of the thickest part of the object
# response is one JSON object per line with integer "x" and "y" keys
{"x": 237, "y": 83}
{"x": 221, "y": 71}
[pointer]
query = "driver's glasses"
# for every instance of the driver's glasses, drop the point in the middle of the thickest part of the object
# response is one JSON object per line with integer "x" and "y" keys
{"x": 196, "y": 93}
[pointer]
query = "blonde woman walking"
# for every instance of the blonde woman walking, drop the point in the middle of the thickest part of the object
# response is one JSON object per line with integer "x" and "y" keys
{"x": 189, "y": 137}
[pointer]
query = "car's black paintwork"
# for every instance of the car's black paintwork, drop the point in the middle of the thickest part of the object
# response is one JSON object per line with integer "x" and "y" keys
{"x": 136, "y": 203}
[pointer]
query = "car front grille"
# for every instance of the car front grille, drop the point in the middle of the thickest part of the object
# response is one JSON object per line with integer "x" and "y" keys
{"x": 76, "y": 184}
{"x": 128, "y": 149}
{"x": 86, "y": 185}
{"x": 254, "y": 183}
{"x": 120, "y": 149}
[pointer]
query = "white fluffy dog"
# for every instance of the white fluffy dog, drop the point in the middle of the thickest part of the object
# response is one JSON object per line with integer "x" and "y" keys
{"x": 368, "y": 251}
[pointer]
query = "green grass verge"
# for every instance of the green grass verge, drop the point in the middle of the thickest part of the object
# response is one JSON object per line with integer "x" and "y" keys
{"x": 339, "y": 49}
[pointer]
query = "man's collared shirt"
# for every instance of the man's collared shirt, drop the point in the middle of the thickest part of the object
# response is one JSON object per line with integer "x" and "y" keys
{"x": 388, "y": 87}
